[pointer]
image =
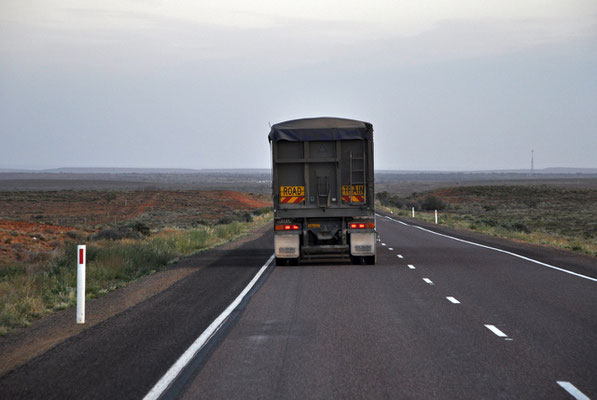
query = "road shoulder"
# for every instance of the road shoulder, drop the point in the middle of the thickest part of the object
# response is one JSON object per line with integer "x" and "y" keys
{"x": 22, "y": 345}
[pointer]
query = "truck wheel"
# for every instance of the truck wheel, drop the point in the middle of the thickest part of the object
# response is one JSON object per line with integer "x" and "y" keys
{"x": 280, "y": 261}
{"x": 370, "y": 260}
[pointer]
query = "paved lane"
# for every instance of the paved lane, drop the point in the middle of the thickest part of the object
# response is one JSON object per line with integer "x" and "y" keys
{"x": 431, "y": 330}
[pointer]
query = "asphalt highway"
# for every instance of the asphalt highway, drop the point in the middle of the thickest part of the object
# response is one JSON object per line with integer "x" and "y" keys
{"x": 436, "y": 318}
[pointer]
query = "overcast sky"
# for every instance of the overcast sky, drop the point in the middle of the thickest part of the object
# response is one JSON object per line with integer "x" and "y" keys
{"x": 447, "y": 85}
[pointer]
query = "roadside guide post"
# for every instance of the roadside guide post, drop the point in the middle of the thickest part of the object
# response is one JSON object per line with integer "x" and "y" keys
{"x": 436, "y": 216}
{"x": 81, "y": 262}
{"x": 413, "y": 212}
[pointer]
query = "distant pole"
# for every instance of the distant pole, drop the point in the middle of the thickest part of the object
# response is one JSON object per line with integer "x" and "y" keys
{"x": 81, "y": 263}
{"x": 436, "y": 216}
{"x": 532, "y": 162}
{"x": 413, "y": 212}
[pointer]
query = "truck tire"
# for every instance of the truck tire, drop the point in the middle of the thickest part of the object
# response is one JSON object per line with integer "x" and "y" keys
{"x": 370, "y": 260}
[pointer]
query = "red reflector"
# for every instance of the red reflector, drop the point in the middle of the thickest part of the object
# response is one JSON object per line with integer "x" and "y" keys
{"x": 353, "y": 226}
{"x": 361, "y": 226}
{"x": 371, "y": 225}
{"x": 279, "y": 227}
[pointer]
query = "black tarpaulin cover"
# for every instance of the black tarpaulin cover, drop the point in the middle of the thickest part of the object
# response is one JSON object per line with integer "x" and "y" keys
{"x": 324, "y": 128}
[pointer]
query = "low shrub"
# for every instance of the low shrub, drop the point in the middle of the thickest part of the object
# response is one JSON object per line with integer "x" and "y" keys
{"x": 130, "y": 231}
{"x": 531, "y": 202}
{"x": 118, "y": 233}
{"x": 238, "y": 216}
{"x": 10, "y": 271}
{"x": 413, "y": 204}
{"x": 431, "y": 203}
{"x": 262, "y": 211}
{"x": 141, "y": 228}
{"x": 74, "y": 235}
{"x": 226, "y": 219}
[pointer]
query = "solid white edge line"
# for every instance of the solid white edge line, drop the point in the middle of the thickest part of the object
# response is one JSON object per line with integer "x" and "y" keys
{"x": 411, "y": 266}
{"x": 570, "y": 388}
{"x": 512, "y": 254}
{"x": 392, "y": 219}
{"x": 503, "y": 251}
{"x": 496, "y": 331}
{"x": 452, "y": 300}
{"x": 198, "y": 344}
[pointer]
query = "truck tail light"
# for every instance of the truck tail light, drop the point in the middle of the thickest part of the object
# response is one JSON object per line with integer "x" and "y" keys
{"x": 292, "y": 227}
{"x": 368, "y": 225}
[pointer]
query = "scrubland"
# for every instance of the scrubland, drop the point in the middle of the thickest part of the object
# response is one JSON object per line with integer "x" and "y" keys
{"x": 128, "y": 235}
{"x": 559, "y": 217}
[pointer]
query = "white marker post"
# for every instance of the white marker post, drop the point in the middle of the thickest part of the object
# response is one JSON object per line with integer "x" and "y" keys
{"x": 436, "y": 216}
{"x": 81, "y": 262}
{"x": 413, "y": 212}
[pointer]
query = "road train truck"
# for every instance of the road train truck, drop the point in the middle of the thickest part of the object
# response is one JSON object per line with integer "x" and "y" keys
{"x": 323, "y": 190}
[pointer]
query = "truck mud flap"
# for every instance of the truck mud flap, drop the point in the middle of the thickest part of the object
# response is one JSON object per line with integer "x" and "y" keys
{"x": 362, "y": 244}
{"x": 287, "y": 246}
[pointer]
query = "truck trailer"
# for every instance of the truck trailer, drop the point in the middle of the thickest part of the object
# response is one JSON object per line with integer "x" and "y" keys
{"x": 323, "y": 190}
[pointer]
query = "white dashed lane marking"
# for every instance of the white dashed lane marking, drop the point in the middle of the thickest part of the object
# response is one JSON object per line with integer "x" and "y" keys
{"x": 427, "y": 280}
{"x": 452, "y": 300}
{"x": 389, "y": 248}
{"x": 570, "y": 388}
{"x": 411, "y": 266}
{"x": 400, "y": 256}
{"x": 496, "y": 331}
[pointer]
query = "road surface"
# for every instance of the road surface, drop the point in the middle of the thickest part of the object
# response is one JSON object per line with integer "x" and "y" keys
{"x": 436, "y": 318}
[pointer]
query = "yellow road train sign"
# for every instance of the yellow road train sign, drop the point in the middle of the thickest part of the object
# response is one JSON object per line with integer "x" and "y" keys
{"x": 292, "y": 194}
{"x": 353, "y": 193}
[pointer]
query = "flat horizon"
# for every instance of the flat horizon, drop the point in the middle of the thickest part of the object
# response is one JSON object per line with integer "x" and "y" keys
{"x": 99, "y": 170}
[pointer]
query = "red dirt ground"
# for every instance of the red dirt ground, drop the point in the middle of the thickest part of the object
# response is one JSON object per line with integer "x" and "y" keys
{"x": 37, "y": 222}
